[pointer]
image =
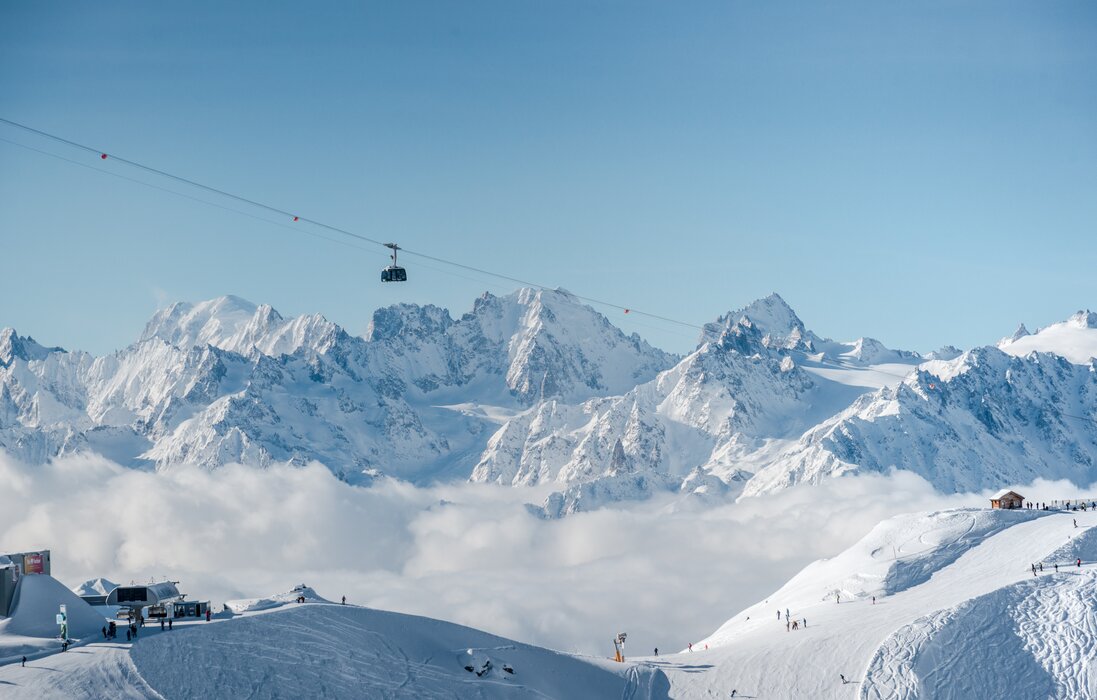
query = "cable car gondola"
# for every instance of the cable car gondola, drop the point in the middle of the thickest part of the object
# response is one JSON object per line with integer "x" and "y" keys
{"x": 394, "y": 273}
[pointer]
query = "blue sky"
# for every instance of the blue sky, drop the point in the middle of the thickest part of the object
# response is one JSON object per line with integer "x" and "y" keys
{"x": 924, "y": 173}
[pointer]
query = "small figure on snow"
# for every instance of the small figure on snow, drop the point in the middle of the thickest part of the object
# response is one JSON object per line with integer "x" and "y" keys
{"x": 657, "y": 651}
{"x": 24, "y": 662}
{"x": 805, "y": 622}
{"x": 844, "y": 681}
{"x": 1079, "y": 563}
{"x": 691, "y": 646}
{"x": 874, "y": 600}
{"x": 344, "y": 600}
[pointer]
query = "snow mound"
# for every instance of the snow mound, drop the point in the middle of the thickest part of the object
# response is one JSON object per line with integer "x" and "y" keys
{"x": 275, "y": 601}
{"x": 33, "y": 627}
{"x": 336, "y": 651}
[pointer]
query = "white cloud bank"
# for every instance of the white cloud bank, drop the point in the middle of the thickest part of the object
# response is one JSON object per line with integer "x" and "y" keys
{"x": 663, "y": 571}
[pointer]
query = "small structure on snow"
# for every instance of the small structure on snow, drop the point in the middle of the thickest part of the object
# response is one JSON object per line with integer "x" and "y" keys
{"x": 1007, "y": 499}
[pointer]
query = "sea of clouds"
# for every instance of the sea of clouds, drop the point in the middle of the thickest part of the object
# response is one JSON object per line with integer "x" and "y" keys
{"x": 666, "y": 571}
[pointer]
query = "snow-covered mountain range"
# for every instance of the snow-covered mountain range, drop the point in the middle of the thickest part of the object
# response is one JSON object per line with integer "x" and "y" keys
{"x": 536, "y": 388}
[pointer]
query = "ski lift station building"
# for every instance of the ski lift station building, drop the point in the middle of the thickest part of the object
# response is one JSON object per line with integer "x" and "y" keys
{"x": 1007, "y": 499}
{"x": 162, "y": 599}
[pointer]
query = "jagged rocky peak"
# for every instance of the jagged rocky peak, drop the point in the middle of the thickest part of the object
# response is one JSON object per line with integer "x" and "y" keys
{"x": 527, "y": 310}
{"x": 238, "y": 325}
{"x": 1083, "y": 319}
{"x": 871, "y": 351}
{"x": 407, "y": 320}
{"x": 13, "y": 347}
{"x": 945, "y": 353}
{"x": 184, "y": 324}
{"x": 1021, "y": 332}
{"x": 555, "y": 345}
{"x": 776, "y": 323}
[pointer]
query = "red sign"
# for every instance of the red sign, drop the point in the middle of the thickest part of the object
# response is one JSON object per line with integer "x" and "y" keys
{"x": 32, "y": 564}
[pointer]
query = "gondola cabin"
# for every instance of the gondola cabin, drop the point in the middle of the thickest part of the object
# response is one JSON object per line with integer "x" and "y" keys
{"x": 1007, "y": 499}
{"x": 393, "y": 273}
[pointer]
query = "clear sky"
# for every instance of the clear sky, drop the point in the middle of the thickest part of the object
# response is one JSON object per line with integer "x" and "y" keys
{"x": 924, "y": 173}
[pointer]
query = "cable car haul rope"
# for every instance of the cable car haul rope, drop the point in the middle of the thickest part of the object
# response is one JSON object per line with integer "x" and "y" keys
{"x": 391, "y": 273}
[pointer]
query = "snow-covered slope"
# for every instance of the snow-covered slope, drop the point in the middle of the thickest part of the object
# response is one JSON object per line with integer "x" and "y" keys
{"x": 927, "y": 605}
{"x": 957, "y": 614}
{"x": 1074, "y": 339}
{"x": 329, "y": 651}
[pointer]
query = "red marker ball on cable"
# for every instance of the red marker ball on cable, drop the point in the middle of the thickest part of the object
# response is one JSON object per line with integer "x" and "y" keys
{"x": 103, "y": 156}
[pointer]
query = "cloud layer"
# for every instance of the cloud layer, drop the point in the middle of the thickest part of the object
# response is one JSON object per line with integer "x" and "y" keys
{"x": 666, "y": 571}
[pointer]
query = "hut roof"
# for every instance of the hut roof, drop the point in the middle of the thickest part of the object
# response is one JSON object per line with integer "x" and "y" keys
{"x": 1003, "y": 493}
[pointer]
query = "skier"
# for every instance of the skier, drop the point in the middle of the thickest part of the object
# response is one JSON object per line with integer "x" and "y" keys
{"x": 836, "y": 600}
{"x": 1076, "y": 522}
{"x": 24, "y": 662}
{"x": 657, "y": 651}
{"x": 169, "y": 625}
{"x": 161, "y": 624}
{"x": 844, "y": 681}
{"x": 344, "y": 600}
{"x": 733, "y": 692}
{"x": 1079, "y": 563}
{"x": 209, "y": 614}
{"x": 778, "y": 615}
{"x": 788, "y": 625}
{"x": 1056, "y": 568}
{"x": 691, "y": 646}
{"x": 1041, "y": 567}
{"x": 874, "y": 600}
{"x": 805, "y": 623}
{"x": 104, "y": 631}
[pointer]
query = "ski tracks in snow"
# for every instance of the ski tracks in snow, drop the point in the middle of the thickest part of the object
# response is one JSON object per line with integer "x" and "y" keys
{"x": 1033, "y": 639}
